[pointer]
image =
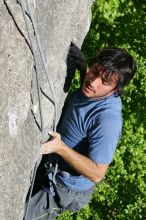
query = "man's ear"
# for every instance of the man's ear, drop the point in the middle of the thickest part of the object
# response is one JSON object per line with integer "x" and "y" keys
{"x": 114, "y": 78}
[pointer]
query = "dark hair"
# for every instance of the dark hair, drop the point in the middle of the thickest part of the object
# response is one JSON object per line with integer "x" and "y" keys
{"x": 114, "y": 61}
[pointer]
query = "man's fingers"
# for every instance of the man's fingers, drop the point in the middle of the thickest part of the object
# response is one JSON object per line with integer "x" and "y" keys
{"x": 46, "y": 148}
{"x": 75, "y": 56}
{"x": 43, "y": 149}
{"x": 54, "y": 134}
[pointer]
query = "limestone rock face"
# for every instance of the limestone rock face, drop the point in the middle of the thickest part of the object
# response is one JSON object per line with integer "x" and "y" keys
{"x": 58, "y": 22}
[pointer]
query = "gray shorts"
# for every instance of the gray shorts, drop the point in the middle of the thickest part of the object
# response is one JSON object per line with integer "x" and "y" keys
{"x": 45, "y": 206}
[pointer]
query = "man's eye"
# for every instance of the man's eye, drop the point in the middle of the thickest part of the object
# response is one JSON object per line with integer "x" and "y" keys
{"x": 105, "y": 83}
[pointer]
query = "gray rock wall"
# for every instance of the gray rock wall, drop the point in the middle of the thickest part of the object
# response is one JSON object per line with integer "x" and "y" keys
{"x": 58, "y": 23}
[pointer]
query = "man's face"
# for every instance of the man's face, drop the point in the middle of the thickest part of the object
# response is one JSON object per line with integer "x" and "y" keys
{"x": 94, "y": 87}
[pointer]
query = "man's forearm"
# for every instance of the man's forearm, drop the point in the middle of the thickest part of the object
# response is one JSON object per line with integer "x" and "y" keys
{"x": 80, "y": 163}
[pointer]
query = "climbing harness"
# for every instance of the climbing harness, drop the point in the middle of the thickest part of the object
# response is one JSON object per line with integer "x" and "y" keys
{"x": 24, "y": 4}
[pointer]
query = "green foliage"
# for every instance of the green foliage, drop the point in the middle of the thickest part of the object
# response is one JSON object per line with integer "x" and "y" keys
{"x": 122, "y": 195}
{"x": 116, "y": 23}
{"x": 75, "y": 83}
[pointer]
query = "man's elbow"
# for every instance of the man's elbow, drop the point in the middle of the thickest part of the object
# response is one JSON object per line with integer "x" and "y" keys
{"x": 97, "y": 179}
{"x": 99, "y": 173}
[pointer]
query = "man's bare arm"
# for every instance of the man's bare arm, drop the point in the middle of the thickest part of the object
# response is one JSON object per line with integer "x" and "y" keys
{"x": 82, "y": 164}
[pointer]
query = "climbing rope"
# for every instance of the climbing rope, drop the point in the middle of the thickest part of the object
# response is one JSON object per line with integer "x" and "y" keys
{"x": 41, "y": 53}
{"x": 38, "y": 87}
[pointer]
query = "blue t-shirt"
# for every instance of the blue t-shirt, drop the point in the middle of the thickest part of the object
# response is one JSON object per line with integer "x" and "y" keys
{"x": 92, "y": 128}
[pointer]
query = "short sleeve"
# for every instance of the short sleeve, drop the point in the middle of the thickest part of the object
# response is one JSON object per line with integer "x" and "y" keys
{"x": 103, "y": 136}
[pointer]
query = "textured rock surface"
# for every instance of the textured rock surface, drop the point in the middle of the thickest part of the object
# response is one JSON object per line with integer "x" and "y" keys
{"x": 58, "y": 23}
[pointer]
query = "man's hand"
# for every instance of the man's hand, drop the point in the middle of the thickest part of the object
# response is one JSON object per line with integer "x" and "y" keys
{"x": 76, "y": 56}
{"x": 54, "y": 145}
{"x": 75, "y": 61}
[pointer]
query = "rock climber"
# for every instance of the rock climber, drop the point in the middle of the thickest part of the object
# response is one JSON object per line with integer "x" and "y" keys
{"x": 89, "y": 128}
